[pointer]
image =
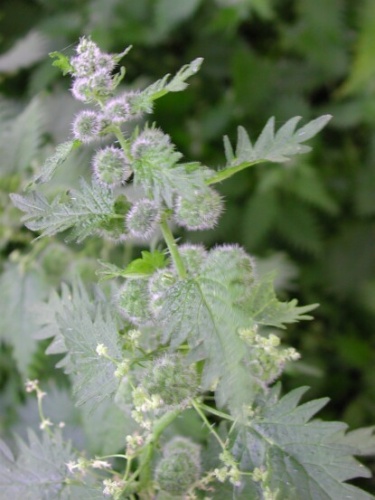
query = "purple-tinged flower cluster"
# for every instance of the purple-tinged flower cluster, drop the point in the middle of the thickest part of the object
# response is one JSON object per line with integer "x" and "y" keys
{"x": 92, "y": 71}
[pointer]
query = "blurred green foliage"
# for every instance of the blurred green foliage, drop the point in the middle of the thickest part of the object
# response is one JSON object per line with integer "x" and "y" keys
{"x": 313, "y": 219}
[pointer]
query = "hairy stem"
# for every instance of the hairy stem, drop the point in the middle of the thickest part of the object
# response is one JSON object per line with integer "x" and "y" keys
{"x": 148, "y": 454}
{"x": 221, "y": 175}
{"x": 208, "y": 425}
{"x": 173, "y": 249}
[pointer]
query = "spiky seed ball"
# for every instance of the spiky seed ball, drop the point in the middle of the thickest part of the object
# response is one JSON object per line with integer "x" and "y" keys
{"x": 182, "y": 445}
{"x": 171, "y": 378}
{"x": 199, "y": 213}
{"x": 117, "y": 110}
{"x": 193, "y": 256}
{"x": 86, "y": 126}
{"x": 133, "y": 301}
{"x": 142, "y": 219}
{"x": 101, "y": 83}
{"x": 151, "y": 142}
{"x": 81, "y": 89}
{"x": 177, "y": 473}
{"x": 111, "y": 166}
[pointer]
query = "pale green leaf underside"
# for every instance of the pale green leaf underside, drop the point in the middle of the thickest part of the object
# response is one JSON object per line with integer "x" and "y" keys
{"x": 22, "y": 138}
{"x": 274, "y": 146}
{"x": 53, "y": 162}
{"x": 301, "y": 456}
{"x": 80, "y": 325}
{"x": 265, "y": 309}
{"x": 208, "y": 311}
{"x": 163, "y": 180}
{"x": 20, "y": 291}
{"x": 203, "y": 312}
{"x": 86, "y": 212}
{"x": 39, "y": 470}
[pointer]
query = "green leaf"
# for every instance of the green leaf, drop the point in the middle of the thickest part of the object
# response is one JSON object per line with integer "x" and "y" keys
{"x": 301, "y": 458}
{"x": 146, "y": 265}
{"x": 39, "y": 470}
{"x": 21, "y": 139}
{"x": 279, "y": 146}
{"x": 20, "y": 290}
{"x": 163, "y": 179}
{"x": 264, "y": 308}
{"x": 62, "y": 62}
{"x": 53, "y": 162}
{"x": 87, "y": 212}
{"x": 274, "y": 147}
{"x": 362, "y": 440}
{"x": 206, "y": 312}
{"x": 176, "y": 84}
{"x": 81, "y": 324}
{"x": 143, "y": 267}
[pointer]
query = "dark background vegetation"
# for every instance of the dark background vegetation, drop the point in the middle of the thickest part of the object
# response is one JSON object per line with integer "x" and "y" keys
{"x": 313, "y": 218}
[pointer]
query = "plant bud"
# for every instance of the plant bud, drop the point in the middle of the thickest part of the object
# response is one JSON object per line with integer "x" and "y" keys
{"x": 193, "y": 257}
{"x": 142, "y": 219}
{"x": 117, "y": 110}
{"x": 111, "y": 166}
{"x": 150, "y": 143}
{"x": 176, "y": 473}
{"x": 182, "y": 445}
{"x": 86, "y": 126}
{"x": 201, "y": 212}
{"x": 171, "y": 378}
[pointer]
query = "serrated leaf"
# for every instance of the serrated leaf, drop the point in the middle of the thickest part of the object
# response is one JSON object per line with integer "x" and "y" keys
{"x": 165, "y": 179}
{"x": 26, "y": 52}
{"x": 62, "y": 62}
{"x": 21, "y": 139}
{"x": 20, "y": 291}
{"x": 264, "y": 308}
{"x": 208, "y": 311}
{"x": 53, "y": 162}
{"x": 300, "y": 457}
{"x": 87, "y": 211}
{"x": 81, "y": 325}
{"x": 362, "y": 440}
{"x": 176, "y": 84}
{"x": 145, "y": 266}
{"x": 39, "y": 470}
{"x": 279, "y": 146}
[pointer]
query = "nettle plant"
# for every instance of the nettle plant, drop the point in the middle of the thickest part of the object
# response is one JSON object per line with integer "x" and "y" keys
{"x": 185, "y": 333}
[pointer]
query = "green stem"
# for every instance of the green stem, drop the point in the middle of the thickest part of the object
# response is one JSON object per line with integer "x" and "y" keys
{"x": 218, "y": 413}
{"x": 148, "y": 454}
{"x": 208, "y": 425}
{"x": 221, "y": 175}
{"x": 121, "y": 139}
{"x": 173, "y": 249}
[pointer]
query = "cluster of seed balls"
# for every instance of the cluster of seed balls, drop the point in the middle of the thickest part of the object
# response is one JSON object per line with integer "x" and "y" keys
{"x": 94, "y": 83}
